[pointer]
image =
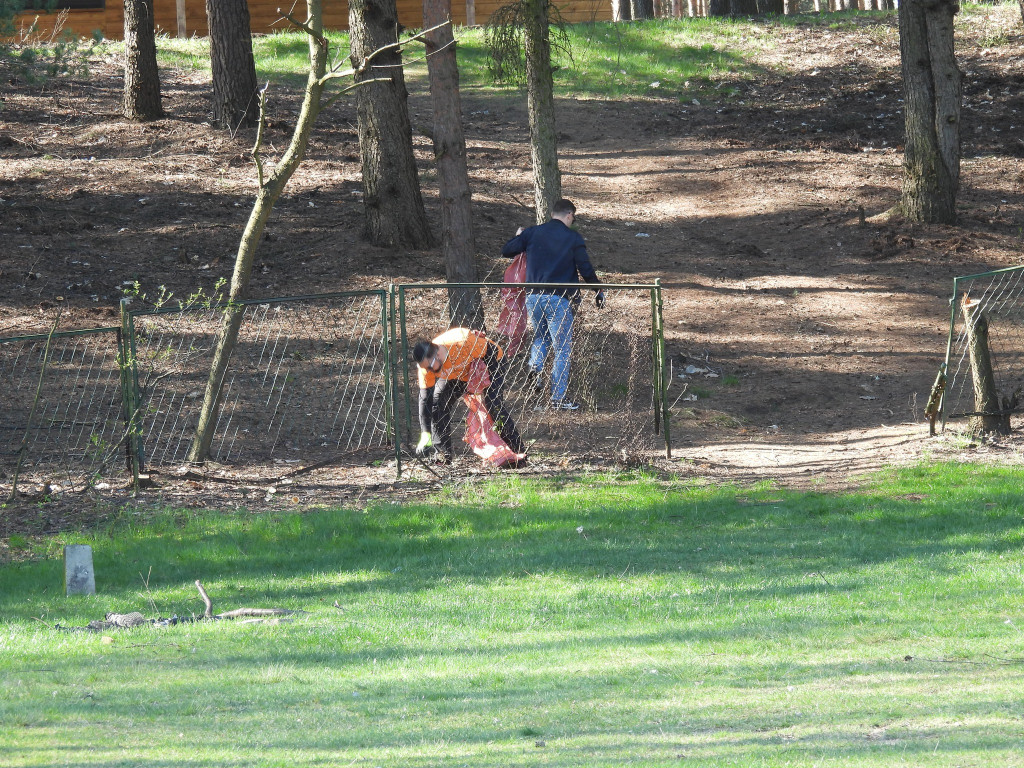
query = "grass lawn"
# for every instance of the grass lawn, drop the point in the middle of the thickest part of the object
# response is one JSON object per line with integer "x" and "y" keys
{"x": 667, "y": 58}
{"x": 661, "y": 59}
{"x": 605, "y": 621}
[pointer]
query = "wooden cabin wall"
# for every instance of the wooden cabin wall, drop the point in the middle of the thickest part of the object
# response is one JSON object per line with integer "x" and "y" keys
{"x": 264, "y": 19}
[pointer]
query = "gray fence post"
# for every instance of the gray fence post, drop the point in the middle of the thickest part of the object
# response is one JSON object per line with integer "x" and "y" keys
{"x": 79, "y": 576}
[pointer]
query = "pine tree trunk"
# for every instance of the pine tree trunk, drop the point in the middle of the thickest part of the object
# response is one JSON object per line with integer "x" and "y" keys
{"x": 718, "y": 7}
{"x": 457, "y": 241}
{"x": 235, "y": 103}
{"x": 141, "y": 76}
{"x": 621, "y": 10}
{"x": 932, "y": 90}
{"x": 395, "y": 216}
{"x": 540, "y": 103}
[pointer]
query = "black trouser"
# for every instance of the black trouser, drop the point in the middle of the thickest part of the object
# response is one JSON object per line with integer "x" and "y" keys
{"x": 447, "y": 393}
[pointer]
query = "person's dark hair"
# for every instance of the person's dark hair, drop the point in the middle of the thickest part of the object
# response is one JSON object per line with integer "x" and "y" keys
{"x": 422, "y": 351}
{"x": 562, "y": 207}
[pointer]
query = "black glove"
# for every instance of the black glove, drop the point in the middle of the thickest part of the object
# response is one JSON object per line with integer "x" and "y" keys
{"x": 599, "y": 300}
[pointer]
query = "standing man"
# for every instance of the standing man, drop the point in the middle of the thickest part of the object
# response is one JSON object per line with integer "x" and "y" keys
{"x": 555, "y": 253}
{"x": 444, "y": 366}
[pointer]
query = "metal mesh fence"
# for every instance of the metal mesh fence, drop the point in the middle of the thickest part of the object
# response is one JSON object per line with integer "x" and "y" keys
{"x": 998, "y": 297}
{"x": 613, "y": 373}
{"x": 61, "y": 413}
{"x": 307, "y": 379}
{"x": 316, "y": 377}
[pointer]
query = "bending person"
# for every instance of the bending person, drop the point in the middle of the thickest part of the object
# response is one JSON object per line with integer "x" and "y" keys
{"x": 444, "y": 368}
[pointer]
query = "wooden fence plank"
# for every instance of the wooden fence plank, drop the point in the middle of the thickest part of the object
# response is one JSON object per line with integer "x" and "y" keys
{"x": 265, "y": 19}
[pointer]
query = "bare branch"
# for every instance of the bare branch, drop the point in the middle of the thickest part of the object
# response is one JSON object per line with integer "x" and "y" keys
{"x": 206, "y": 599}
{"x": 256, "y": 157}
{"x": 303, "y": 26}
{"x": 365, "y": 63}
{"x": 414, "y": 61}
{"x": 347, "y": 89}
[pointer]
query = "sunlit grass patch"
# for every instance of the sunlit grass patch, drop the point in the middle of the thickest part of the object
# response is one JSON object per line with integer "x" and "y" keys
{"x": 608, "y": 619}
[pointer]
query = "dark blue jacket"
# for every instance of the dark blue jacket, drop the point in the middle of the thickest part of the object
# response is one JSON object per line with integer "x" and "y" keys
{"x": 554, "y": 254}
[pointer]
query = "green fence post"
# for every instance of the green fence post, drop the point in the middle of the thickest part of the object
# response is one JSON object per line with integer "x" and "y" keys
{"x": 659, "y": 342}
{"x": 954, "y": 304}
{"x": 656, "y": 381}
{"x": 391, "y": 376}
{"x": 129, "y": 390}
{"x": 404, "y": 359}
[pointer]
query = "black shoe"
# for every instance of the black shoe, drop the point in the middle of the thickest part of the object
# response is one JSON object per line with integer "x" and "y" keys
{"x": 564, "y": 405}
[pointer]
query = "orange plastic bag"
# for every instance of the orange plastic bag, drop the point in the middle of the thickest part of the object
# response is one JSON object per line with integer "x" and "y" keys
{"x": 512, "y": 316}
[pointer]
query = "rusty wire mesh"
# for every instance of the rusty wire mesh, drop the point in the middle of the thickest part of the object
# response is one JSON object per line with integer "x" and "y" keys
{"x": 62, "y": 422}
{"x": 998, "y": 296}
{"x": 613, "y": 371}
{"x": 308, "y": 379}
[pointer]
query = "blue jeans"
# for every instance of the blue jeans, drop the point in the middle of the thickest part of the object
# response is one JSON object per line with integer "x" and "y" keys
{"x": 551, "y": 317}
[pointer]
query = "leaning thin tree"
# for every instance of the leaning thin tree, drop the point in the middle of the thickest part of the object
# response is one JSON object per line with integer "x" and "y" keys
{"x": 270, "y": 187}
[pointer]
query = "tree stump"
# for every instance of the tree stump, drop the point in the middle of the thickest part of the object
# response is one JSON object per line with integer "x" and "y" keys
{"x": 988, "y": 417}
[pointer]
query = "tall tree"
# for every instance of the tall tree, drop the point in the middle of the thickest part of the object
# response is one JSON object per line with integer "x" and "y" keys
{"x": 718, "y": 7}
{"x": 235, "y": 100}
{"x": 540, "y": 105}
{"x": 621, "y": 10}
{"x": 141, "y": 76}
{"x": 932, "y": 93}
{"x": 458, "y": 243}
{"x": 519, "y": 46}
{"x": 395, "y": 216}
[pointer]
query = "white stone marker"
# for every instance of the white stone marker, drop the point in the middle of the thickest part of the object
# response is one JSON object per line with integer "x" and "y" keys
{"x": 79, "y": 578}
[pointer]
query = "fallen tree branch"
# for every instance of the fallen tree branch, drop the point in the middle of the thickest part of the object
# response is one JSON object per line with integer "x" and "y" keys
{"x": 206, "y": 599}
{"x": 135, "y": 619}
{"x": 240, "y": 612}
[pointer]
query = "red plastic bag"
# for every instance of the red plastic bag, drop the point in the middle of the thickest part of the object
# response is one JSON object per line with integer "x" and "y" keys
{"x": 512, "y": 317}
{"x": 479, "y": 379}
{"x": 483, "y": 438}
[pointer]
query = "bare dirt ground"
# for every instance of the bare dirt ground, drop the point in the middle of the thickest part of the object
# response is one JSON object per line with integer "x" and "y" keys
{"x": 758, "y": 204}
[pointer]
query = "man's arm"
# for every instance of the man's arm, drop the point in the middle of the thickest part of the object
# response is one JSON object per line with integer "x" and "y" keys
{"x": 517, "y": 244}
{"x": 583, "y": 266}
{"x": 587, "y": 271}
{"x": 426, "y": 407}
